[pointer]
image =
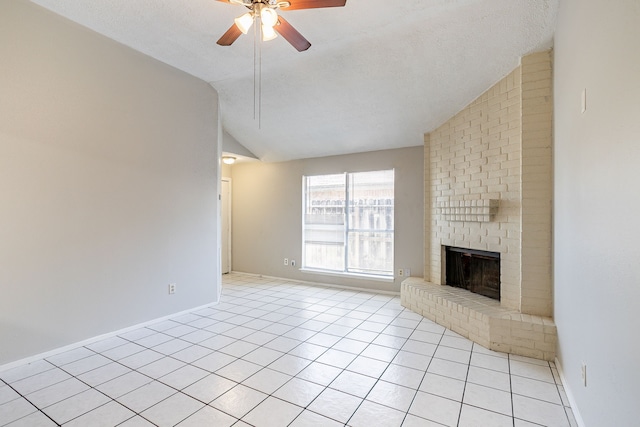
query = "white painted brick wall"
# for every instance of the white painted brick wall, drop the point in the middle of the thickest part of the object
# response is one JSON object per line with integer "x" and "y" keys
{"x": 498, "y": 147}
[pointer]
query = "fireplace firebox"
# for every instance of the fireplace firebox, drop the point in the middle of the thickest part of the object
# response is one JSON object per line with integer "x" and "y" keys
{"x": 476, "y": 271}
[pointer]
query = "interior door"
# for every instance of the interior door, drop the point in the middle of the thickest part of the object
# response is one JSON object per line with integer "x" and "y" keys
{"x": 226, "y": 226}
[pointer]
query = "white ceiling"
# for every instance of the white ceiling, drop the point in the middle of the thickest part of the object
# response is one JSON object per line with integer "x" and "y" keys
{"x": 379, "y": 73}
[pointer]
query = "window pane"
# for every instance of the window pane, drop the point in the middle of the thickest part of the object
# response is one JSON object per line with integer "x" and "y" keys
{"x": 371, "y": 252}
{"x": 371, "y": 200}
{"x": 324, "y": 230}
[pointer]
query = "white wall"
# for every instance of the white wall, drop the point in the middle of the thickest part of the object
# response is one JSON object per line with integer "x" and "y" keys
{"x": 597, "y": 203}
{"x": 108, "y": 177}
{"x": 267, "y": 212}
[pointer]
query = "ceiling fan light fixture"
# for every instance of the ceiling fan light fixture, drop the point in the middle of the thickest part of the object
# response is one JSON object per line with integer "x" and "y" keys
{"x": 268, "y": 33}
{"x": 268, "y": 16}
{"x": 244, "y": 22}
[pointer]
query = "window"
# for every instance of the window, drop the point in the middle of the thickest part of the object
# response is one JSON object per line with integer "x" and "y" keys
{"x": 348, "y": 223}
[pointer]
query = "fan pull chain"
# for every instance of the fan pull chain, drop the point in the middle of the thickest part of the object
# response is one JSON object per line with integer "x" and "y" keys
{"x": 257, "y": 72}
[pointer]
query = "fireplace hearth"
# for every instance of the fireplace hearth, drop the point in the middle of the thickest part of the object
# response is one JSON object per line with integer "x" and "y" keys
{"x": 476, "y": 271}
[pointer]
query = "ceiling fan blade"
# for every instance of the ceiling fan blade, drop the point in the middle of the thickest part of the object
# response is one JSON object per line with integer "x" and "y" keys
{"x": 312, "y": 4}
{"x": 230, "y": 36}
{"x": 292, "y": 35}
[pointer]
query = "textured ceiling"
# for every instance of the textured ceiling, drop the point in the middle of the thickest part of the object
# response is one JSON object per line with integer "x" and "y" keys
{"x": 379, "y": 73}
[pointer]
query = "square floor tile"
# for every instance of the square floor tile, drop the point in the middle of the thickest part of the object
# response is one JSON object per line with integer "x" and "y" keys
{"x": 146, "y": 396}
{"x": 490, "y": 362}
{"x": 308, "y": 351}
{"x": 70, "y": 356}
{"x": 373, "y": 414}
{"x": 539, "y": 412}
{"x": 24, "y": 371}
{"x": 124, "y": 384}
{"x": 353, "y": 383}
{"x": 161, "y": 367}
{"x": 452, "y": 354}
{"x": 191, "y": 354}
{"x": 488, "y": 398}
{"x": 267, "y": 380}
{"x": 335, "y": 405}
{"x": 239, "y": 401}
{"x": 299, "y": 392}
{"x": 183, "y": 377}
{"x": 15, "y": 409}
{"x": 217, "y": 342}
{"x": 435, "y": 408}
{"x": 172, "y": 410}
{"x": 262, "y": 356}
{"x": 541, "y": 390}
{"x": 209, "y": 388}
{"x": 173, "y": 346}
{"x": 350, "y": 346}
{"x": 420, "y": 347}
{"x": 448, "y": 369}
{"x": 239, "y": 370}
{"x": 471, "y": 416}
{"x": 367, "y": 366}
{"x": 110, "y": 414}
{"x": 55, "y": 393}
{"x": 40, "y": 381}
{"x": 7, "y": 394}
{"x": 439, "y": 385}
{"x": 273, "y": 412}
{"x": 337, "y": 358}
{"x": 35, "y": 419}
{"x": 140, "y": 359}
{"x": 407, "y": 377}
{"x": 75, "y": 406}
{"x": 319, "y": 373}
{"x": 123, "y": 351}
{"x": 532, "y": 371}
{"x": 238, "y": 348}
{"x": 412, "y": 360}
{"x": 214, "y": 361}
{"x": 489, "y": 378}
{"x": 289, "y": 364}
{"x": 392, "y": 395}
{"x": 208, "y": 416}
{"x": 103, "y": 374}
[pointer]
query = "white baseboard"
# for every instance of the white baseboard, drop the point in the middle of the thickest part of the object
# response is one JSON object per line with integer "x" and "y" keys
{"x": 572, "y": 401}
{"x": 92, "y": 340}
{"x": 328, "y": 285}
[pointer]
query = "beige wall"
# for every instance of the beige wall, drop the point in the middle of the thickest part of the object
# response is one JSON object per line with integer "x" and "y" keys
{"x": 597, "y": 233}
{"x": 107, "y": 185}
{"x": 267, "y": 213}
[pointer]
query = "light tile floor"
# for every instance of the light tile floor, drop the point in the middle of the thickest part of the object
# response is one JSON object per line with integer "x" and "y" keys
{"x": 281, "y": 353}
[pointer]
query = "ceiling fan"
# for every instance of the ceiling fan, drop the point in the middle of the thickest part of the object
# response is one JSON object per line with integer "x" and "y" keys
{"x": 271, "y": 22}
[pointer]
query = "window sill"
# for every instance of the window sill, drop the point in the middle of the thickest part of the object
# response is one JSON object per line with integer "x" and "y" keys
{"x": 371, "y": 277}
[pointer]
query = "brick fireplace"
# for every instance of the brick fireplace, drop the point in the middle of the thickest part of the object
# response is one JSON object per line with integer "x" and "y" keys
{"x": 488, "y": 187}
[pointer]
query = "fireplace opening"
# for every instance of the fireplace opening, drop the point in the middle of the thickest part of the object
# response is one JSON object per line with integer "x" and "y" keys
{"x": 476, "y": 271}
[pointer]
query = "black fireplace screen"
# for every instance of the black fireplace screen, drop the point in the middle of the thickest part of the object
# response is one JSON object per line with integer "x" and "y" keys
{"x": 476, "y": 271}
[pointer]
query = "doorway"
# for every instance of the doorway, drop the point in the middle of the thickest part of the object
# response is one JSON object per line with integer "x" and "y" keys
{"x": 226, "y": 225}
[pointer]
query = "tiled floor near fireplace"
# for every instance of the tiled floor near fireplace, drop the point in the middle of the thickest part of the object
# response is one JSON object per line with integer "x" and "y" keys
{"x": 281, "y": 353}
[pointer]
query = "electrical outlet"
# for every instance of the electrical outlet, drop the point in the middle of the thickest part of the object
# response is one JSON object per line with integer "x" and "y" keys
{"x": 407, "y": 272}
{"x": 172, "y": 288}
{"x": 401, "y": 272}
{"x": 584, "y": 374}
{"x": 293, "y": 263}
{"x": 286, "y": 261}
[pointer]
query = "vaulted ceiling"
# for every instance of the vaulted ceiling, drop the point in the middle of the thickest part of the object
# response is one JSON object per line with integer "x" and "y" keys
{"x": 379, "y": 73}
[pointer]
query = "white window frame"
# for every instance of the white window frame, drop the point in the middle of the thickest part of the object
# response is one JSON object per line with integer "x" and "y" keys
{"x": 387, "y": 276}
